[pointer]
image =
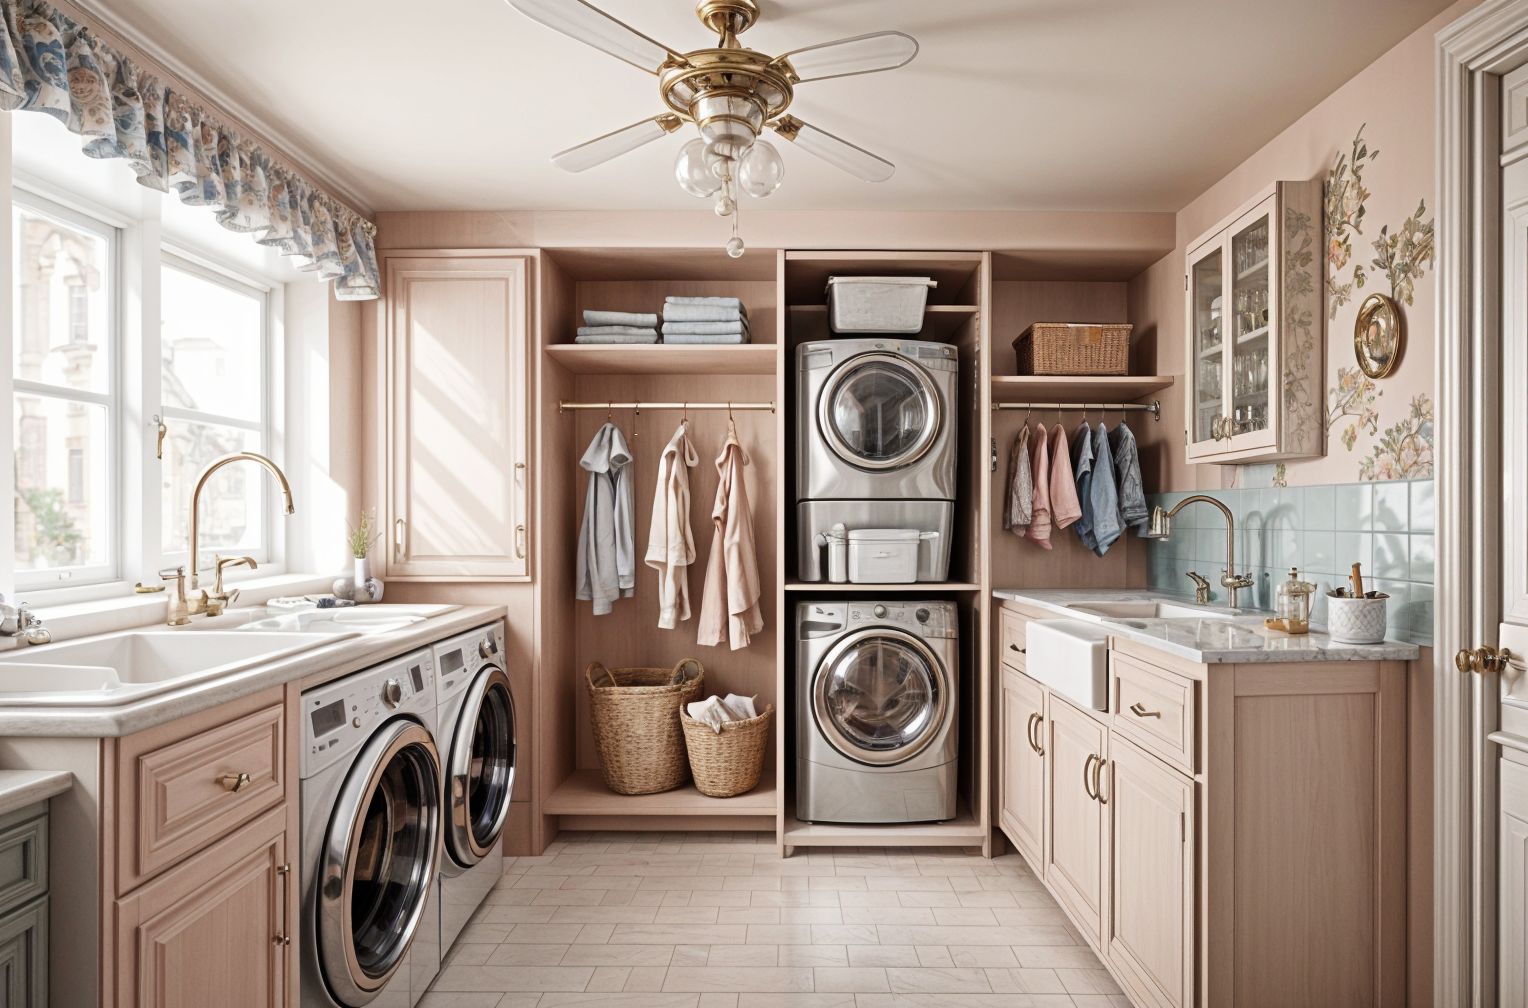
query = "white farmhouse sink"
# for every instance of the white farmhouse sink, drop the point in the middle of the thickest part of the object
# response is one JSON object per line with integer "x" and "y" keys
{"x": 365, "y": 619}
{"x": 116, "y": 668}
{"x": 1150, "y": 609}
{"x": 1070, "y": 657}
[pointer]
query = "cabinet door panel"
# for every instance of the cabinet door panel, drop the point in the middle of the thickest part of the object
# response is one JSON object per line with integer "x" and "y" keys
{"x": 1023, "y": 768}
{"x": 211, "y": 930}
{"x": 1151, "y": 871}
{"x": 1207, "y": 348}
{"x": 457, "y": 372}
{"x": 24, "y": 957}
{"x": 1512, "y": 871}
{"x": 1074, "y": 852}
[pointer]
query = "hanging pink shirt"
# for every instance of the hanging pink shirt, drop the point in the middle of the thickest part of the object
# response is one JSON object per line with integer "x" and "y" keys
{"x": 1065, "y": 507}
{"x": 1040, "y": 521}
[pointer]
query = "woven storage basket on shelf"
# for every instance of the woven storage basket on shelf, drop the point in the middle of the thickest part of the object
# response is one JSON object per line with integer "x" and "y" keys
{"x": 636, "y": 725}
{"x": 1069, "y": 348}
{"x": 727, "y": 763}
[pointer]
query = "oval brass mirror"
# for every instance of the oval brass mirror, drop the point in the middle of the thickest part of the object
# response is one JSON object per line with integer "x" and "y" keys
{"x": 1379, "y": 336}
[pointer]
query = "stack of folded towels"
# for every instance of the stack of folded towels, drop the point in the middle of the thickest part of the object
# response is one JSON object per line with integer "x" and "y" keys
{"x": 704, "y": 320}
{"x": 618, "y": 327}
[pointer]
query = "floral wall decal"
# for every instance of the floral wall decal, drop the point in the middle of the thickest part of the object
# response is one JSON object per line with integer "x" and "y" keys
{"x": 1354, "y": 396}
{"x": 1405, "y": 449}
{"x": 1346, "y": 205}
{"x": 1404, "y": 255}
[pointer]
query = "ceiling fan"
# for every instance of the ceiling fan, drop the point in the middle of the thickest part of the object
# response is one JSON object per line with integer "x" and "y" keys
{"x": 730, "y": 93}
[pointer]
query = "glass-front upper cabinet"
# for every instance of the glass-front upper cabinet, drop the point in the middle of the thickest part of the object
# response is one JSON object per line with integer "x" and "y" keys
{"x": 1255, "y": 324}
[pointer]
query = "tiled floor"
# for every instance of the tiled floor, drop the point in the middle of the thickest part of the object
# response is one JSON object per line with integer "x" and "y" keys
{"x": 705, "y": 920}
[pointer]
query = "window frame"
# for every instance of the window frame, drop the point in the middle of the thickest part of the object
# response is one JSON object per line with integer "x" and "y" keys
{"x": 87, "y": 576}
{"x": 174, "y": 256}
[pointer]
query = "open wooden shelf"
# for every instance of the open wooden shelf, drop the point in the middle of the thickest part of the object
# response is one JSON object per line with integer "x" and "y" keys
{"x": 661, "y": 358}
{"x": 962, "y": 831}
{"x": 871, "y": 589}
{"x": 1100, "y": 389}
{"x": 810, "y": 321}
{"x": 585, "y": 793}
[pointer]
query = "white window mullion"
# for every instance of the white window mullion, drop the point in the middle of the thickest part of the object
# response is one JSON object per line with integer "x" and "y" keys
{"x": 141, "y": 400}
{"x": 7, "y": 354}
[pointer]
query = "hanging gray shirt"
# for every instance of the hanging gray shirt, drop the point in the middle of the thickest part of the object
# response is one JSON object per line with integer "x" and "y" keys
{"x": 607, "y": 554}
{"x": 1127, "y": 476}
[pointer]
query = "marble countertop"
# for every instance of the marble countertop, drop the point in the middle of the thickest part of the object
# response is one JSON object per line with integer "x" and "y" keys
{"x": 1238, "y": 640}
{"x": 20, "y": 788}
{"x": 311, "y": 667}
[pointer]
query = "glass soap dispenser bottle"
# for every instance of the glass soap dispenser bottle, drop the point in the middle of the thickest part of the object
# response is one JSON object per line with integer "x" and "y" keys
{"x": 1291, "y": 605}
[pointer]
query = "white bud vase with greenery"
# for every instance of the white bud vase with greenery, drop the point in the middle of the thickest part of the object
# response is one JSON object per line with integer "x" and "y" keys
{"x": 365, "y": 588}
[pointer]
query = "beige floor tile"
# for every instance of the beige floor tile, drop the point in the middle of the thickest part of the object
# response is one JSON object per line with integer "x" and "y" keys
{"x": 965, "y": 916}
{"x": 718, "y": 1001}
{"x": 718, "y": 898}
{"x": 811, "y": 915}
{"x": 829, "y": 1000}
{"x": 495, "y": 914}
{"x": 628, "y": 1000}
{"x": 934, "y": 956}
{"x": 928, "y": 899}
{"x": 595, "y": 934}
{"x": 882, "y": 955}
{"x": 680, "y": 934}
{"x": 646, "y": 979}
{"x": 601, "y": 914}
{"x": 470, "y": 954}
{"x": 888, "y": 915}
{"x": 1049, "y": 916}
{"x": 1025, "y": 981}
{"x": 513, "y": 978}
{"x": 986, "y": 898}
{"x": 900, "y": 935}
{"x": 448, "y": 1000}
{"x": 747, "y": 915}
{"x": 617, "y": 955}
{"x": 923, "y": 980}
{"x": 950, "y": 1000}
{"x": 851, "y": 979}
{"x": 907, "y": 883}
{"x": 527, "y": 955}
{"x": 743, "y": 955}
{"x": 845, "y": 934}
{"x": 700, "y": 979}
{"x": 1057, "y": 957}
{"x": 983, "y": 955}
{"x": 608, "y": 979}
{"x": 814, "y": 955}
{"x": 570, "y": 897}
{"x": 690, "y": 955}
{"x": 869, "y": 899}
{"x": 696, "y": 915}
{"x": 1087, "y": 981}
{"x": 780, "y": 934}
{"x": 1100, "y": 1001}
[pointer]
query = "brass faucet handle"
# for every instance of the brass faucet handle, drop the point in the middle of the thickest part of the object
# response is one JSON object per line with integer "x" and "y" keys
{"x": 178, "y": 613}
{"x": 178, "y": 575}
{"x": 220, "y": 563}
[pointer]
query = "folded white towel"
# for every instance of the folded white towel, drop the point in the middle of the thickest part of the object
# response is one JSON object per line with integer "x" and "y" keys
{"x": 716, "y": 711}
{"x": 723, "y": 302}
{"x": 704, "y": 328}
{"x": 619, "y": 318}
{"x": 744, "y": 707}
{"x": 616, "y": 330}
{"x": 705, "y": 339}
{"x": 702, "y": 313}
{"x": 616, "y": 340}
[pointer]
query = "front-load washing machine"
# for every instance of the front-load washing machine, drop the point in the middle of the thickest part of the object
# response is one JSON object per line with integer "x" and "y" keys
{"x": 876, "y": 444}
{"x": 371, "y": 822}
{"x": 877, "y": 688}
{"x": 477, "y": 738}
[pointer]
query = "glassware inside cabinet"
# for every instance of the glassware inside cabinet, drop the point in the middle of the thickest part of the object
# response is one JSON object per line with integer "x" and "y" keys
{"x": 1209, "y": 345}
{"x": 1250, "y": 280}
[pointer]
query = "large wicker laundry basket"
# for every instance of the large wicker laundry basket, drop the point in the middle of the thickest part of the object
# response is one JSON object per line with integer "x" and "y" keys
{"x": 728, "y": 763}
{"x": 1069, "y": 348}
{"x": 635, "y": 714}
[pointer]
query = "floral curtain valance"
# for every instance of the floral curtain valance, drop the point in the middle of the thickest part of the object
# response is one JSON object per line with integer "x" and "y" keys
{"x": 50, "y": 63}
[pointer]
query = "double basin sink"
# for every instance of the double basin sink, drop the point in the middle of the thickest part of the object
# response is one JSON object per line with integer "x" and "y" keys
{"x": 117, "y": 668}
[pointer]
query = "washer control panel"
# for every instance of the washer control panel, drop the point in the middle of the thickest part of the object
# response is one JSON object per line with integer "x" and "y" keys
{"x": 458, "y": 659}
{"x": 922, "y": 619}
{"x": 339, "y": 717}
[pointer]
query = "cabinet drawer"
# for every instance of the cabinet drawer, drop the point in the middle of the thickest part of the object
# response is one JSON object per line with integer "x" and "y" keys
{"x": 185, "y": 794}
{"x": 23, "y": 863}
{"x": 1011, "y": 639}
{"x": 1155, "y": 708}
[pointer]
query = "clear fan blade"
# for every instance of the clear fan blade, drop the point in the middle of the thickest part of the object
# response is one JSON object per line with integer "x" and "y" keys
{"x": 836, "y": 151}
{"x": 613, "y": 145}
{"x": 592, "y": 26}
{"x": 847, "y": 57}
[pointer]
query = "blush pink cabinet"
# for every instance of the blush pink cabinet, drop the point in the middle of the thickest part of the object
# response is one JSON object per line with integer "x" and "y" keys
{"x": 1224, "y": 836}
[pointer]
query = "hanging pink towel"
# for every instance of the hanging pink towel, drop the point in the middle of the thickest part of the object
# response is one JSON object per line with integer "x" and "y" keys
{"x": 729, "y": 609}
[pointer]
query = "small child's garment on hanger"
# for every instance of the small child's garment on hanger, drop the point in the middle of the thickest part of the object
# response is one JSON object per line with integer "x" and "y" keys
{"x": 1127, "y": 474}
{"x": 670, "y": 542}
{"x": 729, "y": 608}
{"x": 1019, "y": 495}
{"x": 606, "y": 564}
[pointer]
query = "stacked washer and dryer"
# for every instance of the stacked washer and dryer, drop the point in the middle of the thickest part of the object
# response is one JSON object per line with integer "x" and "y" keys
{"x": 877, "y": 681}
{"x": 407, "y": 771}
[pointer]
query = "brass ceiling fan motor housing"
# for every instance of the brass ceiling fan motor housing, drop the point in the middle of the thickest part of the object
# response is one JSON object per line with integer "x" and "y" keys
{"x": 729, "y": 92}
{"x": 727, "y": 17}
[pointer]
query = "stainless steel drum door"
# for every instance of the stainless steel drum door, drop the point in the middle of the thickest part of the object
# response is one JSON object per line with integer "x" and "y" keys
{"x": 880, "y": 697}
{"x": 379, "y": 861}
{"x": 879, "y": 411}
{"x": 480, "y": 774}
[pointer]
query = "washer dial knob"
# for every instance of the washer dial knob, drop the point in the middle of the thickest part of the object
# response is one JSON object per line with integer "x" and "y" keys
{"x": 488, "y": 648}
{"x": 392, "y": 692}
{"x": 879, "y": 612}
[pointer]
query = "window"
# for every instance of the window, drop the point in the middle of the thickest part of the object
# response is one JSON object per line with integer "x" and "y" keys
{"x": 64, "y": 386}
{"x": 213, "y": 388}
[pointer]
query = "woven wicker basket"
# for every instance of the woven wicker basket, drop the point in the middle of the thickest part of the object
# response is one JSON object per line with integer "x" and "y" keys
{"x": 1067, "y": 348}
{"x": 727, "y": 763}
{"x": 636, "y": 730}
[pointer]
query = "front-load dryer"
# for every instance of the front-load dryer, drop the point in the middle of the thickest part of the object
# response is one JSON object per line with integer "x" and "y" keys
{"x": 877, "y": 687}
{"x": 370, "y": 816}
{"x": 478, "y": 745}
{"x": 877, "y": 419}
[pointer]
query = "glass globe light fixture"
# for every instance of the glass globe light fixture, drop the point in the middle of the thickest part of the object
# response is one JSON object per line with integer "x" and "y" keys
{"x": 761, "y": 171}
{"x": 694, "y": 172}
{"x": 735, "y": 247}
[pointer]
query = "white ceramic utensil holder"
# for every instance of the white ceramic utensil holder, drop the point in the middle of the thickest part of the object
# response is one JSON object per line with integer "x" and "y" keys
{"x": 1356, "y": 620}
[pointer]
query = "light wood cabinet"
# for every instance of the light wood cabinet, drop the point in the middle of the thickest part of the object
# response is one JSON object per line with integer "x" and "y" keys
{"x": 1149, "y": 937}
{"x": 214, "y": 930}
{"x": 1255, "y": 322}
{"x": 457, "y": 468}
{"x": 1021, "y": 772}
{"x": 1077, "y": 842}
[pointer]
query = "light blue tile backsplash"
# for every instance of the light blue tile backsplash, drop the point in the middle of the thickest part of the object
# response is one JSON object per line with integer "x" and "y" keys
{"x": 1322, "y": 530}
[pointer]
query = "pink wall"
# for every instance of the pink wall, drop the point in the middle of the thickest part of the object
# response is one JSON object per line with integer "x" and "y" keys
{"x": 1392, "y": 101}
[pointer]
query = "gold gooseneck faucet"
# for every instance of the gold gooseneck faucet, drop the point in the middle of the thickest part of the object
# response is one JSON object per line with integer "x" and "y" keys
{"x": 1161, "y": 528}
{"x": 196, "y": 495}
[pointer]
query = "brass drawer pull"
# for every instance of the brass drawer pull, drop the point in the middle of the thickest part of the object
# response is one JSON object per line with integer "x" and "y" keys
{"x": 234, "y": 782}
{"x": 1015, "y": 647}
{"x": 1035, "y": 723}
{"x": 1087, "y": 776}
{"x": 1098, "y": 781}
{"x": 1139, "y": 710}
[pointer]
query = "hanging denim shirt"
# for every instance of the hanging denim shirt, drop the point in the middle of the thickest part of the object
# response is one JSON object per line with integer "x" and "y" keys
{"x": 1104, "y": 493}
{"x": 1082, "y": 472}
{"x": 1127, "y": 475}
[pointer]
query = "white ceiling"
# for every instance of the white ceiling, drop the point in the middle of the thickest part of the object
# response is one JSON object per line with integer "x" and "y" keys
{"x": 1010, "y": 105}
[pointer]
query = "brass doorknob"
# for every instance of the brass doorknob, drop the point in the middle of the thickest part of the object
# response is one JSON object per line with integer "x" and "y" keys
{"x": 234, "y": 782}
{"x": 1483, "y": 659}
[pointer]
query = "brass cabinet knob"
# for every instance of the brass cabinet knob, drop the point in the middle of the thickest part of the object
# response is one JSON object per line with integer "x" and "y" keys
{"x": 234, "y": 782}
{"x": 1139, "y": 710}
{"x": 1483, "y": 659}
{"x": 281, "y": 940}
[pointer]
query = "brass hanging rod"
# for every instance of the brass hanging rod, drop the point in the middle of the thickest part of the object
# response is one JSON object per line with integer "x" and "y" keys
{"x": 740, "y": 407}
{"x": 1154, "y": 407}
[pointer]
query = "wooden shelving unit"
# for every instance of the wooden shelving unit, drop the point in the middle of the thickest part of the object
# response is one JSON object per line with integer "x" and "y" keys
{"x": 962, "y": 831}
{"x": 584, "y": 793}
{"x": 940, "y": 321}
{"x": 1100, "y": 389}
{"x": 806, "y": 587}
{"x": 659, "y": 358}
